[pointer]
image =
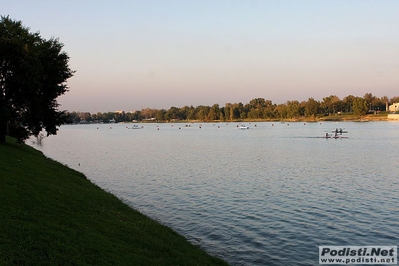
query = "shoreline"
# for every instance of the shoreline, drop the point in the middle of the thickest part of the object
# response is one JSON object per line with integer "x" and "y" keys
{"x": 337, "y": 118}
{"x": 343, "y": 118}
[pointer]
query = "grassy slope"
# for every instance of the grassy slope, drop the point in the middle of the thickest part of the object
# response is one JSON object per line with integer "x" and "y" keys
{"x": 52, "y": 215}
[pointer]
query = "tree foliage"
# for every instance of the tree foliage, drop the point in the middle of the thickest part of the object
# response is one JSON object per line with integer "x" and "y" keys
{"x": 33, "y": 73}
{"x": 257, "y": 108}
{"x": 360, "y": 106}
{"x": 312, "y": 107}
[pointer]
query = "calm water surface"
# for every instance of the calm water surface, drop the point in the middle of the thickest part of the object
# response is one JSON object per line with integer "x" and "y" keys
{"x": 269, "y": 195}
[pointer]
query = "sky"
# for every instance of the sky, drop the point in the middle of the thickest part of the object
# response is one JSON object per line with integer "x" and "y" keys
{"x": 130, "y": 55}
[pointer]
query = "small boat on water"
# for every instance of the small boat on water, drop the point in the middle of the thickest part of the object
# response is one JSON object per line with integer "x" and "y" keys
{"x": 340, "y": 131}
{"x": 137, "y": 127}
{"x": 334, "y": 136}
{"x": 243, "y": 127}
{"x": 337, "y": 134}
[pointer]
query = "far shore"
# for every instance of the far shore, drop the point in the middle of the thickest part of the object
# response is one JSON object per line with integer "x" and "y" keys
{"x": 346, "y": 118}
{"x": 327, "y": 118}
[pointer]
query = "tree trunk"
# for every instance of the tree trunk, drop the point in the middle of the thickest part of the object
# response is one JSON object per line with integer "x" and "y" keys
{"x": 3, "y": 120}
{"x": 3, "y": 134}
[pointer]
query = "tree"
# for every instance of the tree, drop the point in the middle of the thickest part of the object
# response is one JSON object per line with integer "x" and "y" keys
{"x": 202, "y": 112}
{"x": 172, "y": 114}
{"x": 348, "y": 103}
{"x": 191, "y": 113}
{"x": 268, "y": 110}
{"x": 227, "y": 113}
{"x": 256, "y": 108}
{"x": 331, "y": 104}
{"x": 184, "y": 112}
{"x": 221, "y": 114}
{"x": 33, "y": 73}
{"x": 237, "y": 111}
{"x": 394, "y": 99}
{"x": 370, "y": 99}
{"x": 281, "y": 110}
{"x": 360, "y": 106}
{"x": 214, "y": 112}
{"x": 293, "y": 109}
{"x": 379, "y": 104}
{"x": 312, "y": 107}
{"x": 160, "y": 116}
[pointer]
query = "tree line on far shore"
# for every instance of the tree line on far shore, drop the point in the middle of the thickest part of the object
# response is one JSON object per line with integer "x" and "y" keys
{"x": 256, "y": 109}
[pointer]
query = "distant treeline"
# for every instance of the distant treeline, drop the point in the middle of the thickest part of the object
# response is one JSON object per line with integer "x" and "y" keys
{"x": 256, "y": 109}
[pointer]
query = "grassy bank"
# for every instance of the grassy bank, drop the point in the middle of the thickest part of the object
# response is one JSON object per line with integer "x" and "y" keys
{"x": 52, "y": 215}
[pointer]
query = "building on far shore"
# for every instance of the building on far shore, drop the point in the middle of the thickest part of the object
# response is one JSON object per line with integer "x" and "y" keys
{"x": 393, "y": 111}
{"x": 394, "y": 108}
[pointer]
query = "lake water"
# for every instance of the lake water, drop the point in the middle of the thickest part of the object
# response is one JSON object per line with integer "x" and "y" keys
{"x": 269, "y": 195}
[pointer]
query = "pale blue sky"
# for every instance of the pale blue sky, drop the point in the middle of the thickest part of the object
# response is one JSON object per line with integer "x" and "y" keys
{"x": 158, "y": 54}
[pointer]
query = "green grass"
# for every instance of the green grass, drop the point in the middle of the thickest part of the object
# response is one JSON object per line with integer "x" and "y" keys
{"x": 52, "y": 215}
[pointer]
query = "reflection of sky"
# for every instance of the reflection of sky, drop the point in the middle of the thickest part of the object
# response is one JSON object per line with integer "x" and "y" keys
{"x": 160, "y": 54}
